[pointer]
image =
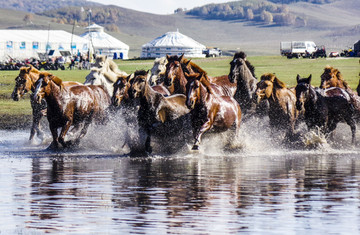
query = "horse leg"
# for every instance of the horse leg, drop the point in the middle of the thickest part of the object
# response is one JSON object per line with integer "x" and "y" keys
{"x": 330, "y": 128}
{"x": 63, "y": 132}
{"x": 351, "y": 122}
{"x": 205, "y": 127}
{"x": 55, "y": 143}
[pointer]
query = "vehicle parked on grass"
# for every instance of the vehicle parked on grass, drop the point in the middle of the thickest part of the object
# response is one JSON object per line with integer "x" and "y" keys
{"x": 297, "y": 49}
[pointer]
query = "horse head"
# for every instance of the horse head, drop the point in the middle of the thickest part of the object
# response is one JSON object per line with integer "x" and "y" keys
{"x": 302, "y": 91}
{"x": 121, "y": 87}
{"x": 264, "y": 88}
{"x": 241, "y": 68}
{"x": 193, "y": 88}
{"x": 173, "y": 69}
{"x": 24, "y": 82}
{"x": 93, "y": 78}
{"x": 42, "y": 87}
{"x": 138, "y": 84}
{"x": 158, "y": 70}
{"x": 332, "y": 77}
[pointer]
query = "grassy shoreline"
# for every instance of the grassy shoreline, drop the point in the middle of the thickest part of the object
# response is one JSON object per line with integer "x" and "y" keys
{"x": 15, "y": 115}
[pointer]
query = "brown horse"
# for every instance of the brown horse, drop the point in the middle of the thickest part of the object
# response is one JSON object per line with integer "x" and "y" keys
{"x": 176, "y": 81}
{"x": 156, "y": 111}
{"x": 324, "y": 108}
{"x": 25, "y": 82}
{"x": 209, "y": 109}
{"x": 282, "y": 112}
{"x": 76, "y": 106}
{"x": 242, "y": 73}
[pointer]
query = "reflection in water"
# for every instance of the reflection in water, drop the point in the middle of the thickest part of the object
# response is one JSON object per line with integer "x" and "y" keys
{"x": 181, "y": 194}
{"x": 270, "y": 191}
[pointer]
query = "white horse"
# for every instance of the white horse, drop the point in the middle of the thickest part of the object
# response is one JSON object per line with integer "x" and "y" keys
{"x": 158, "y": 71}
{"x": 104, "y": 72}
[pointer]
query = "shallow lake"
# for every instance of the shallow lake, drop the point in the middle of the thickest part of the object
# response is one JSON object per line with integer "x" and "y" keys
{"x": 263, "y": 189}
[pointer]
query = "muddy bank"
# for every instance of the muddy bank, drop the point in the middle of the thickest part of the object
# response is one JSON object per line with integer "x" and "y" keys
{"x": 13, "y": 122}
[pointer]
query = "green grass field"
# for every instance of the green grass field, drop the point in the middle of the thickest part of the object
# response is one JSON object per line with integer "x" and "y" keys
{"x": 285, "y": 69}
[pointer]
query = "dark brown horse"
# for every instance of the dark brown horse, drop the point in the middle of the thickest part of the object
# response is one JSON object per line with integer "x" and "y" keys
{"x": 282, "y": 111}
{"x": 156, "y": 111}
{"x": 24, "y": 83}
{"x": 332, "y": 77}
{"x": 209, "y": 109}
{"x": 176, "y": 81}
{"x": 76, "y": 106}
{"x": 242, "y": 73}
{"x": 324, "y": 108}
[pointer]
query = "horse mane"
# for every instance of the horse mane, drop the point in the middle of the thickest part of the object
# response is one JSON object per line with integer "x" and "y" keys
{"x": 57, "y": 80}
{"x": 196, "y": 68}
{"x": 331, "y": 70}
{"x": 272, "y": 77}
{"x": 205, "y": 81}
{"x": 243, "y": 56}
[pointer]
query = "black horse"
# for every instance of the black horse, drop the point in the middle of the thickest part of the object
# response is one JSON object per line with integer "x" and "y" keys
{"x": 324, "y": 108}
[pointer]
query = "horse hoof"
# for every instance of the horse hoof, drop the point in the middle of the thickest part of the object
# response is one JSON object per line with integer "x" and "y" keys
{"x": 195, "y": 147}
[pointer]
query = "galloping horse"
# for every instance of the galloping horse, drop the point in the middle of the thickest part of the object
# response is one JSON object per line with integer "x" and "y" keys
{"x": 332, "y": 77}
{"x": 242, "y": 73}
{"x": 324, "y": 108}
{"x": 76, "y": 106}
{"x": 156, "y": 110}
{"x": 282, "y": 112}
{"x": 176, "y": 81}
{"x": 25, "y": 82}
{"x": 104, "y": 72}
{"x": 208, "y": 109}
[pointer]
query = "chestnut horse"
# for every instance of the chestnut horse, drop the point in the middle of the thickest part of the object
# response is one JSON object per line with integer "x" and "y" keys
{"x": 176, "y": 81}
{"x": 76, "y": 106}
{"x": 156, "y": 111}
{"x": 25, "y": 82}
{"x": 324, "y": 108}
{"x": 282, "y": 111}
{"x": 209, "y": 109}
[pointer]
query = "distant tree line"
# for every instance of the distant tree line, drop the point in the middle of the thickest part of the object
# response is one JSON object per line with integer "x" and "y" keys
{"x": 42, "y": 5}
{"x": 309, "y": 1}
{"x": 255, "y": 11}
{"x": 107, "y": 16}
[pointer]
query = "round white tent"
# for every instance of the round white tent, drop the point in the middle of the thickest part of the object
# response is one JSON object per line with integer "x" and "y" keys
{"x": 172, "y": 43}
{"x": 23, "y": 44}
{"x": 105, "y": 44}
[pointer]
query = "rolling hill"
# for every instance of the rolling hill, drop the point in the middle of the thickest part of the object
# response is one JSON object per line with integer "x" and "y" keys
{"x": 335, "y": 25}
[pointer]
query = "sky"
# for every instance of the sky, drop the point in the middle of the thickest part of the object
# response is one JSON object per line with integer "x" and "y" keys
{"x": 158, "y": 6}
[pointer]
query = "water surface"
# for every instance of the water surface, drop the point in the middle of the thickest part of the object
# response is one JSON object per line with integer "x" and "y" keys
{"x": 262, "y": 189}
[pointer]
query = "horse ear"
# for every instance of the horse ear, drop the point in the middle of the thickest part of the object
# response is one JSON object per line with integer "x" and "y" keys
{"x": 298, "y": 78}
{"x": 167, "y": 57}
{"x": 181, "y": 57}
{"x": 187, "y": 62}
{"x": 309, "y": 78}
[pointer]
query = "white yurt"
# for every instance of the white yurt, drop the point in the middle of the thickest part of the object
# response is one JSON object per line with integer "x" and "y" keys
{"x": 105, "y": 44}
{"x": 23, "y": 44}
{"x": 172, "y": 43}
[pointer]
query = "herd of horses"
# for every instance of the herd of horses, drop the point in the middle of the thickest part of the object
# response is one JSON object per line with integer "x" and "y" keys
{"x": 178, "y": 98}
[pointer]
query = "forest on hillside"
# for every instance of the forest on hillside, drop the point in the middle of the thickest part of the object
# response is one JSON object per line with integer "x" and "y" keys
{"x": 38, "y": 6}
{"x": 253, "y": 11}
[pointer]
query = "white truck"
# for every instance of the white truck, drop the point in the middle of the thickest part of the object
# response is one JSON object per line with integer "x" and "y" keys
{"x": 297, "y": 49}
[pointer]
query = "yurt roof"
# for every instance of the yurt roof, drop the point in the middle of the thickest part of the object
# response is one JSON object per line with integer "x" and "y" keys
{"x": 100, "y": 39}
{"x": 57, "y": 36}
{"x": 174, "y": 39}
